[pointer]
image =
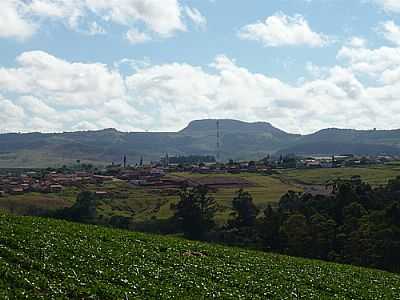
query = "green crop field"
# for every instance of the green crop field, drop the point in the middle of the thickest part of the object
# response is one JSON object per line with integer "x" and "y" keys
{"x": 265, "y": 189}
{"x": 375, "y": 175}
{"x": 50, "y": 259}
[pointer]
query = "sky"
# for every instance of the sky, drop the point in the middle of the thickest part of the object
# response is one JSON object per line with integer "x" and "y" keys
{"x": 156, "y": 65}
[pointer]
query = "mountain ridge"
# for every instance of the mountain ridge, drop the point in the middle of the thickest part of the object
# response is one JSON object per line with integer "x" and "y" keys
{"x": 238, "y": 139}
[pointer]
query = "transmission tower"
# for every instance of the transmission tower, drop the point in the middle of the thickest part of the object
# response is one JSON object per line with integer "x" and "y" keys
{"x": 218, "y": 142}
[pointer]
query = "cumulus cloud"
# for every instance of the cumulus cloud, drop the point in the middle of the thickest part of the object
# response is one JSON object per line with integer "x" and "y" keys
{"x": 197, "y": 18}
{"x": 11, "y": 22}
{"x": 51, "y": 94}
{"x": 47, "y": 93}
{"x": 134, "y": 36}
{"x": 21, "y": 18}
{"x": 283, "y": 30}
{"x": 371, "y": 62}
{"x": 390, "y": 5}
{"x": 390, "y": 31}
{"x": 356, "y": 42}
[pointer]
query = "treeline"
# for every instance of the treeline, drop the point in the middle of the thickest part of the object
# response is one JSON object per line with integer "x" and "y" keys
{"x": 356, "y": 224}
{"x": 191, "y": 159}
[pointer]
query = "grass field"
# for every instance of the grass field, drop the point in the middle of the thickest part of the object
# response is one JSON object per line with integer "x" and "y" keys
{"x": 49, "y": 259}
{"x": 375, "y": 175}
{"x": 144, "y": 203}
{"x": 38, "y": 159}
{"x": 265, "y": 189}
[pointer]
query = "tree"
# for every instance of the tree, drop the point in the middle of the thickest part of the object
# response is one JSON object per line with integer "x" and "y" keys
{"x": 322, "y": 234}
{"x": 297, "y": 233}
{"x": 194, "y": 213}
{"x": 84, "y": 208}
{"x": 269, "y": 228}
{"x": 245, "y": 210}
{"x": 290, "y": 202}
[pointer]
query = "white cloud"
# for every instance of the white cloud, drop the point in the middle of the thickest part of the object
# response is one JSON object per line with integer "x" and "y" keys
{"x": 136, "y": 37}
{"x": 11, "y": 116}
{"x": 283, "y": 30}
{"x": 96, "y": 29}
{"x": 163, "y": 19}
{"x": 12, "y": 24}
{"x": 60, "y": 94}
{"x": 390, "y": 5}
{"x": 371, "y": 62}
{"x": 391, "y": 32}
{"x": 357, "y": 42}
{"x": 21, "y": 18}
{"x": 197, "y": 18}
{"x": 51, "y": 94}
{"x": 60, "y": 82}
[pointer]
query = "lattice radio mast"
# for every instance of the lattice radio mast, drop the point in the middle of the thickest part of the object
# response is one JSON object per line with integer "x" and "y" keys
{"x": 218, "y": 142}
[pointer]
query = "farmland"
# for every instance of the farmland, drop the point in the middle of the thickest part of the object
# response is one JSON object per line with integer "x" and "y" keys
{"x": 374, "y": 175}
{"x": 264, "y": 189}
{"x": 142, "y": 203}
{"x": 43, "y": 259}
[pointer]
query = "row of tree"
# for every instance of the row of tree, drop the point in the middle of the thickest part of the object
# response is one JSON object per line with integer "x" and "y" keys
{"x": 356, "y": 224}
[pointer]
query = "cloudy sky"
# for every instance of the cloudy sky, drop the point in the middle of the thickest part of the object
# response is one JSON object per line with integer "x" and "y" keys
{"x": 155, "y": 65}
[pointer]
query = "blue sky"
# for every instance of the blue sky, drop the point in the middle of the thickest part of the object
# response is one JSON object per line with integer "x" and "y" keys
{"x": 140, "y": 65}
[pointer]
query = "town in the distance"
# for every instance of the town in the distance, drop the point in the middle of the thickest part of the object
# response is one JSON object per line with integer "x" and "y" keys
{"x": 157, "y": 174}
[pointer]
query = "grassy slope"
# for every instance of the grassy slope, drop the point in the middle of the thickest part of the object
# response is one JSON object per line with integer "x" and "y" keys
{"x": 38, "y": 159}
{"x": 142, "y": 203}
{"x": 374, "y": 175}
{"x": 54, "y": 259}
{"x": 267, "y": 189}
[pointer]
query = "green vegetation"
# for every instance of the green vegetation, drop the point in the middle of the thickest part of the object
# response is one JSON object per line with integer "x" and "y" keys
{"x": 264, "y": 189}
{"x": 28, "y": 158}
{"x": 374, "y": 175}
{"x": 49, "y": 259}
{"x": 145, "y": 203}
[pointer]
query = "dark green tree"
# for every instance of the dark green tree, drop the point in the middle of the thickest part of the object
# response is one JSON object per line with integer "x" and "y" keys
{"x": 194, "y": 213}
{"x": 84, "y": 209}
{"x": 269, "y": 229}
{"x": 297, "y": 233}
{"x": 322, "y": 234}
{"x": 244, "y": 209}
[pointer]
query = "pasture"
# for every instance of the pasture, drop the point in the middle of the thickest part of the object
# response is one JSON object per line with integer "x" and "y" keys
{"x": 374, "y": 175}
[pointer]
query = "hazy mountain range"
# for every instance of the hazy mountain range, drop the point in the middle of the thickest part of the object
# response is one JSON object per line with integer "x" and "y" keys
{"x": 238, "y": 140}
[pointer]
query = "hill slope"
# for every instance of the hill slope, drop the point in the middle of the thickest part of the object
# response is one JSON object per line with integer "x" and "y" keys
{"x": 46, "y": 259}
{"x": 239, "y": 140}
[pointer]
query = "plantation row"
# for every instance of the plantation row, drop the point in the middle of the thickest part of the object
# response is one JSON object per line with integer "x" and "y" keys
{"x": 49, "y": 259}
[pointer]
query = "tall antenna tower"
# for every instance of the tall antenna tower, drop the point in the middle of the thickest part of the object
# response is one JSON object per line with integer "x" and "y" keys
{"x": 218, "y": 142}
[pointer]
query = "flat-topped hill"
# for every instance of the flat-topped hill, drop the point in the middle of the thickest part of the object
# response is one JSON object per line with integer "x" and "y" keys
{"x": 50, "y": 259}
{"x": 238, "y": 140}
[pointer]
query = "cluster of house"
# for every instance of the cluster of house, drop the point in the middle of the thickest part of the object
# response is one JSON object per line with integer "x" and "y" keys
{"x": 154, "y": 174}
{"x": 145, "y": 175}
{"x": 343, "y": 161}
{"x": 52, "y": 182}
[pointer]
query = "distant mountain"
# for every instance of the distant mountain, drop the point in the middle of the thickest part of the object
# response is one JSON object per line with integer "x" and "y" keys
{"x": 339, "y": 141}
{"x": 238, "y": 140}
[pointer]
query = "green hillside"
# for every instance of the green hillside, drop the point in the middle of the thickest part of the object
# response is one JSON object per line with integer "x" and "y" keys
{"x": 47, "y": 259}
{"x": 238, "y": 140}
